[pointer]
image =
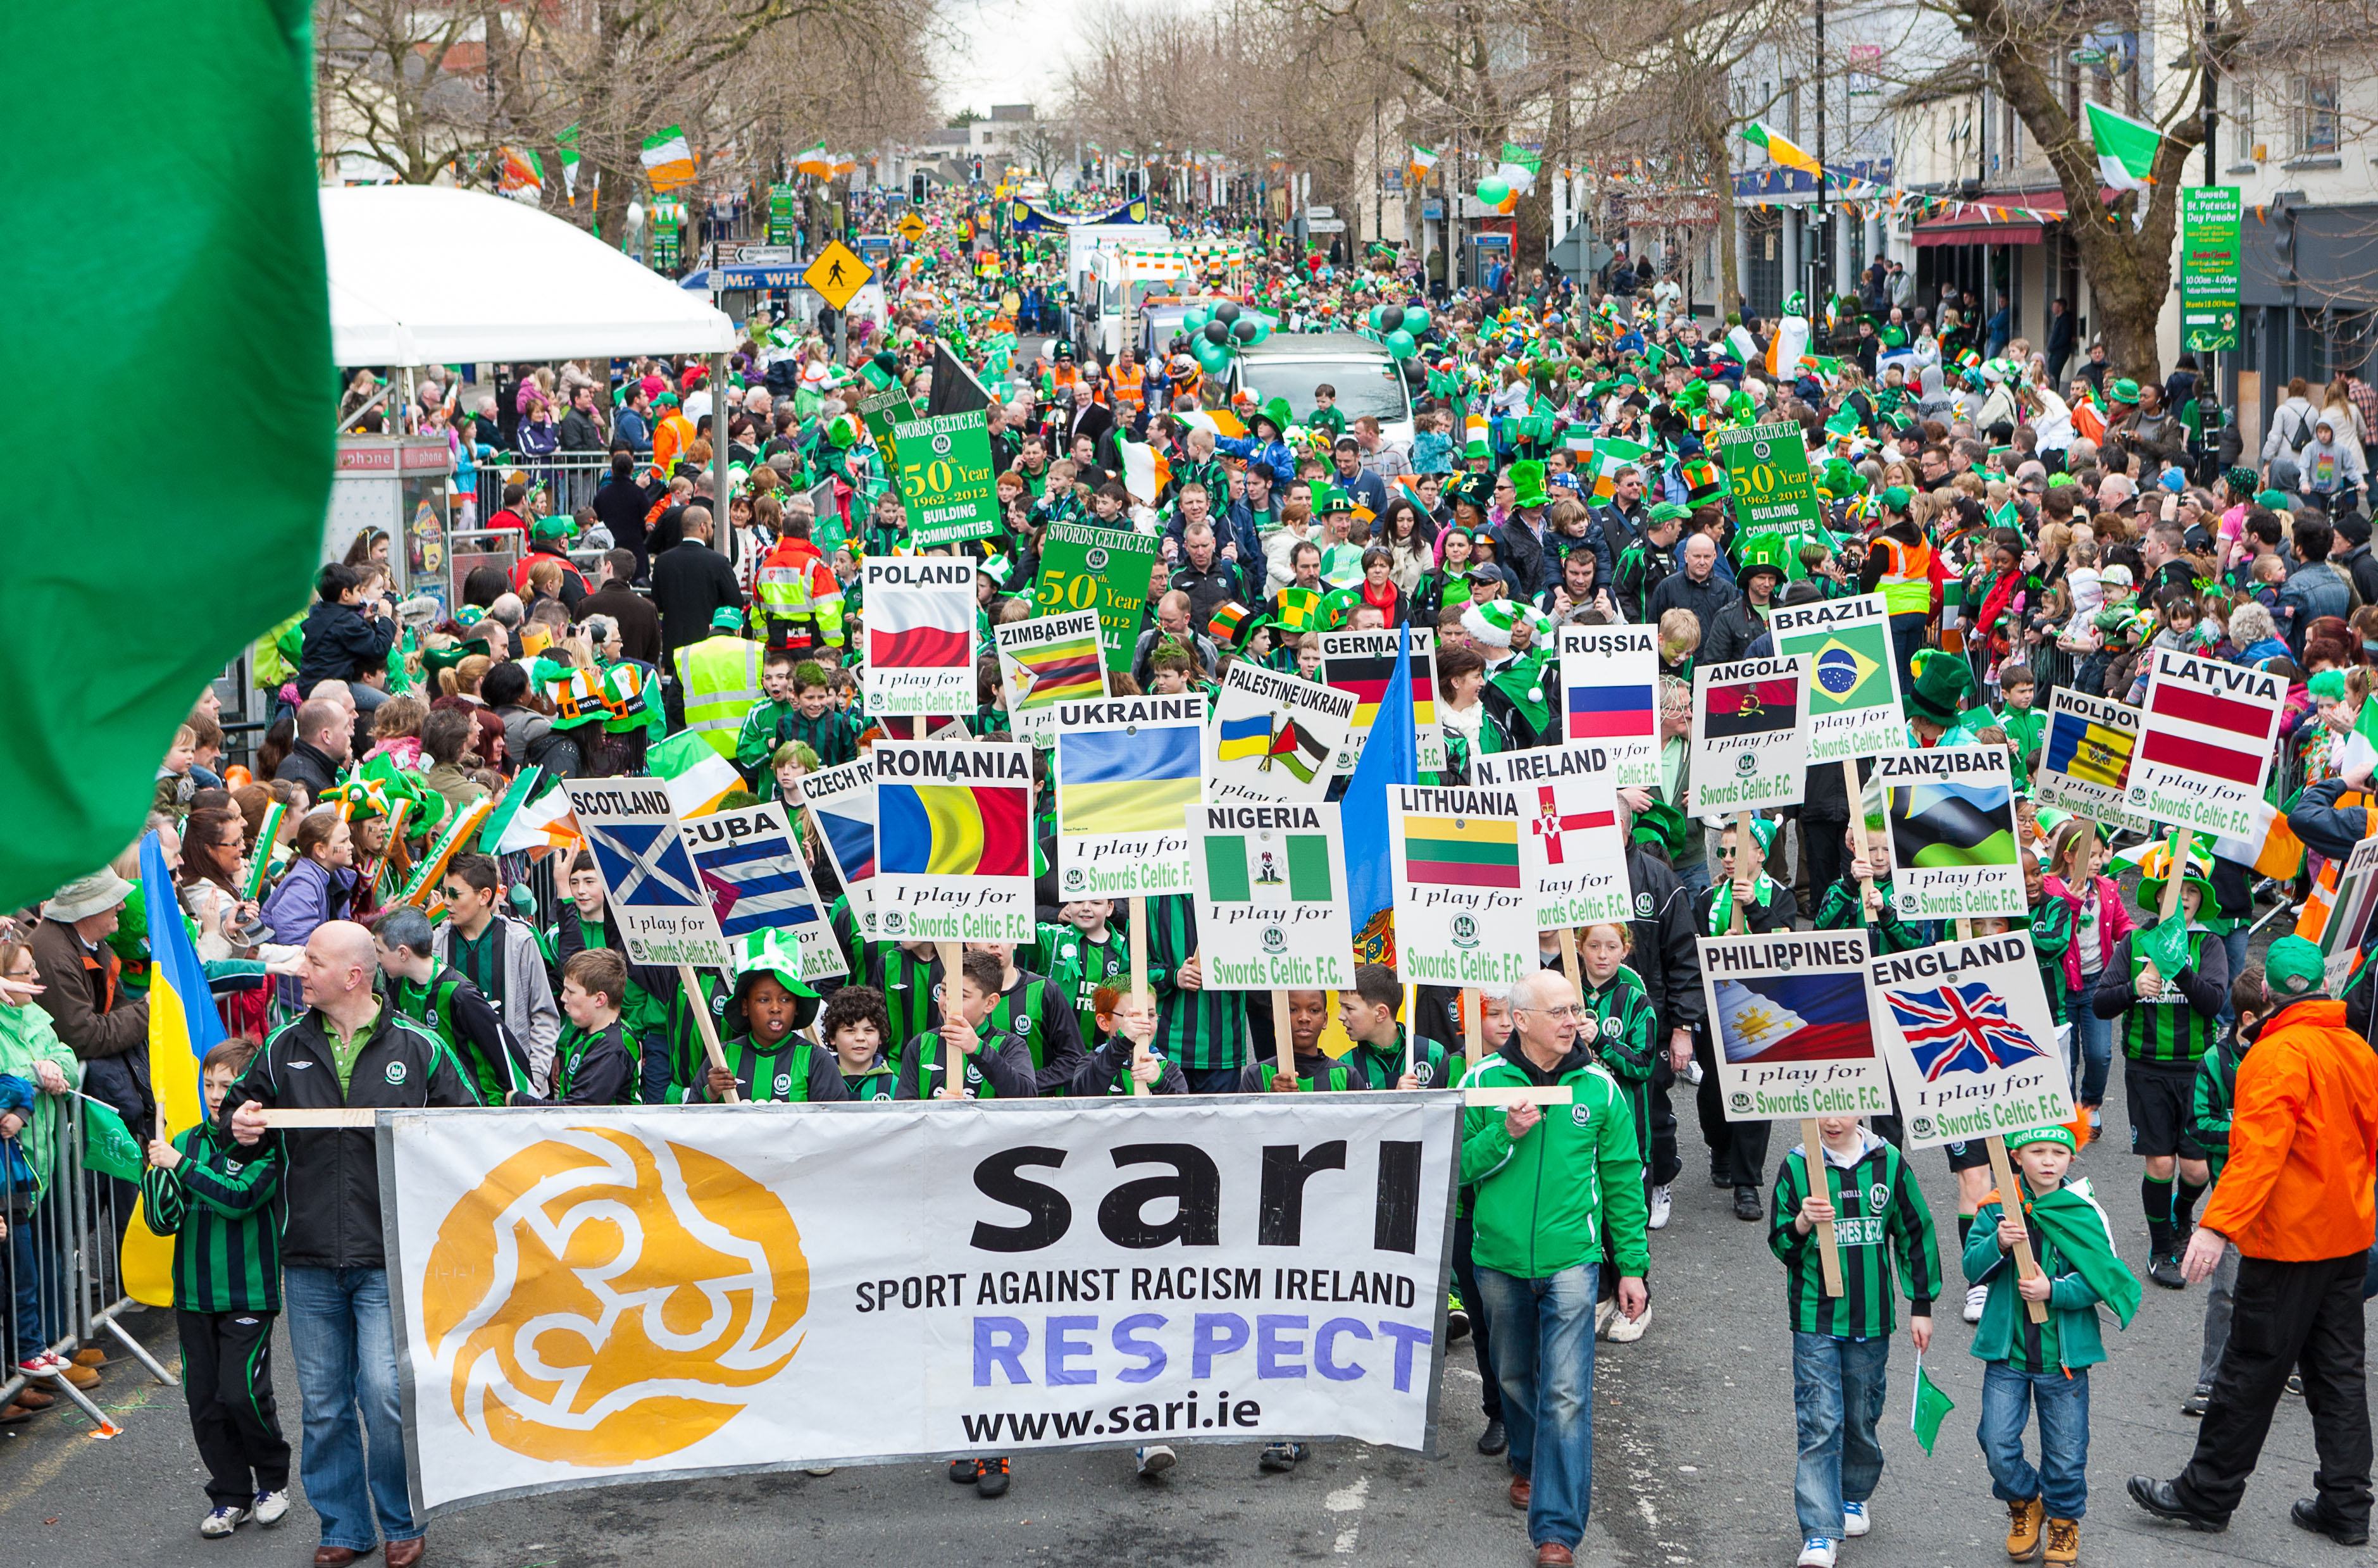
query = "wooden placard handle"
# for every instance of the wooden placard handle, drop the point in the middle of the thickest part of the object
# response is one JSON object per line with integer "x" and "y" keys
{"x": 2010, "y": 1206}
{"x": 709, "y": 1030}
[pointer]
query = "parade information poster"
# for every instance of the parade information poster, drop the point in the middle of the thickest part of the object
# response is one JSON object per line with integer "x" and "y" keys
{"x": 919, "y": 623}
{"x": 664, "y": 913}
{"x": 1610, "y": 694}
{"x": 757, "y": 879}
{"x": 1793, "y": 1036}
{"x": 861, "y": 1284}
{"x": 1572, "y": 857}
{"x": 2084, "y": 759}
{"x": 1749, "y": 746}
{"x": 1362, "y": 663}
{"x": 2348, "y": 917}
{"x": 1768, "y": 468}
{"x": 1045, "y": 661}
{"x": 842, "y": 799}
{"x": 1273, "y": 735}
{"x": 1105, "y": 569}
{"x": 953, "y": 841}
{"x": 2207, "y": 747}
{"x": 2210, "y": 221}
{"x": 1951, "y": 814}
{"x": 1461, "y": 905}
{"x": 1853, "y": 708}
{"x": 1973, "y": 1048}
{"x": 946, "y": 479}
{"x": 1271, "y": 896}
{"x": 1126, "y": 770}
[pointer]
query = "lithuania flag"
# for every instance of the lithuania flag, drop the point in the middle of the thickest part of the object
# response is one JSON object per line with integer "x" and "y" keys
{"x": 159, "y": 548}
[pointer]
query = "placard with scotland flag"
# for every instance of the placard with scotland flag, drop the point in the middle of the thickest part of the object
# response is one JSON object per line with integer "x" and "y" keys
{"x": 842, "y": 799}
{"x": 1463, "y": 914}
{"x": 919, "y": 619}
{"x": 1853, "y": 709}
{"x": 1572, "y": 857}
{"x": 757, "y": 879}
{"x": 2207, "y": 747}
{"x": 1274, "y": 736}
{"x": 1610, "y": 695}
{"x": 1751, "y": 746}
{"x": 953, "y": 841}
{"x": 1973, "y": 1048}
{"x": 658, "y": 897}
{"x": 1128, "y": 770}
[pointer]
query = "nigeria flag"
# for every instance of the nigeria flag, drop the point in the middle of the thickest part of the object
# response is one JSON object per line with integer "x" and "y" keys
{"x": 1275, "y": 868}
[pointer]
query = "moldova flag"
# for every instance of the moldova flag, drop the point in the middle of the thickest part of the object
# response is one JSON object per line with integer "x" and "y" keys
{"x": 1612, "y": 712}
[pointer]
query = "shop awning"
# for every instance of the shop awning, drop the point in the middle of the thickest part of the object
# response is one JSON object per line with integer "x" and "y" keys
{"x": 1999, "y": 218}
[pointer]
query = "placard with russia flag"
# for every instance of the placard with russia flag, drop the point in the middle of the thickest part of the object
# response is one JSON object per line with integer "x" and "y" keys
{"x": 2207, "y": 747}
{"x": 919, "y": 625}
{"x": 1853, "y": 708}
{"x": 1610, "y": 695}
{"x": 1127, "y": 769}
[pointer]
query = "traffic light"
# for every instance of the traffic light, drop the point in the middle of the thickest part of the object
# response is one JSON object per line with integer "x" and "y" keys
{"x": 978, "y": 171}
{"x": 1131, "y": 183}
{"x": 916, "y": 187}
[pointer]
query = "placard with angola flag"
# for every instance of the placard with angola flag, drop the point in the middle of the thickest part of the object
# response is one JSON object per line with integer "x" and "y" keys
{"x": 758, "y": 880}
{"x": 1273, "y": 735}
{"x": 1271, "y": 896}
{"x": 1045, "y": 661}
{"x": 1973, "y": 1050}
{"x": 1461, "y": 906}
{"x": 842, "y": 801}
{"x": 2206, "y": 745}
{"x": 1610, "y": 695}
{"x": 920, "y": 630}
{"x": 1361, "y": 663}
{"x": 2084, "y": 759}
{"x": 1951, "y": 815}
{"x": 953, "y": 841}
{"x": 1793, "y": 1032}
{"x": 1854, "y": 707}
{"x": 1572, "y": 855}
{"x": 663, "y": 914}
{"x": 1749, "y": 746}
{"x": 1126, "y": 770}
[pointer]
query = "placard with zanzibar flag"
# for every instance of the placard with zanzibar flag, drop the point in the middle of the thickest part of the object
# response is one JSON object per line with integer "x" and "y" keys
{"x": 1853, "y": 708}
{"x": 1271, "y": 896}
{"x": 953, "y": 841}
{"x": 1463, "y": 910}
{"x": 1973, "y": 1048}
{"x": 1749, "y": 745}
{"x": 1951, "y": 815}
{"x": 2206, "y": 747}
{"x": 946, "y": 479}
{"x": 919, "y": 620}
{"x": 865, "y": 1283}
{"x": 1794, "y": 1037}
{"x": 1570, "y": 849}
{"x": 1610, "y": 695}
{"x": 2084, "y": 759}
{"x": 1126, "y": 770}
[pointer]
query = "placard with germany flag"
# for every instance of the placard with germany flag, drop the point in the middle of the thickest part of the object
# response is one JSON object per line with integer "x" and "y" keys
{"x": 1463, "y": 913}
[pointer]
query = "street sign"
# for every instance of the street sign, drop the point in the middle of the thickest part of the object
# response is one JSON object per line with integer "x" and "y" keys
{"x": 838, "y": 274}
{"x": 766, "y": 254}
{"x": 2209, "y": 222}
{"x": 1321, "y": 212}
{"x": 912, "y": 228}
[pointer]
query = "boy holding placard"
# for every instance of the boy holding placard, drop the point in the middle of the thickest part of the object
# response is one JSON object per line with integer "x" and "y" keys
{"x": 1378, "y": 1060}
{"x": 1080, "y": 952}
{"x": 996, "y": 1065}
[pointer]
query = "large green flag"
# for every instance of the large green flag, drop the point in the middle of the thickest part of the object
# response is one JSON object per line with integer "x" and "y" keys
{"x": 169, "y": 238}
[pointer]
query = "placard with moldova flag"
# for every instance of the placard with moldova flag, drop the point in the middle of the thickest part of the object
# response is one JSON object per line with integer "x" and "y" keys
{"x": 1463, "y": 910}
{"x": 2084, "y": 759}
{"x": 1127, "y": 771}
{"x": 1610, "y": 695}
{"x": 1045, "y": 661}
{"x": 2205, "y": 748}
{"x": 1854, "y": 707}
{"x": 1949, "y": 811}
{"x": 1572, "y": 851}
{"x": 1273, "y": 735}
{"x": 1749, "y": 745}
{"x": 1973, "y": 1048}
{"x": 953, "y": 841}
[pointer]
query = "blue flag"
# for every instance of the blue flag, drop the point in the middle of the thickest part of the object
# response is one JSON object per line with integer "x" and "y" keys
{"x": 1391, "y": 756}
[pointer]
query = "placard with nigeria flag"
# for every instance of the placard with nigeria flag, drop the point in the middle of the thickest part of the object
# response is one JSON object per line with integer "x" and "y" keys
{"x": 1271, "y": 896}
{"x": 1853, "y": 708}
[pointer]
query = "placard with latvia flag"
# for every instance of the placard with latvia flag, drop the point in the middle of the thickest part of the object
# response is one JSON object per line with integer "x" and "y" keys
{"x": 1271, "y": 896}
{"x": 1463, "y": 910}
{"x": 1127, "y": 770}
{"x": 2206, "y": 745}
{"x": 1610, "y": 695}
{"x": 1854, "y": 707}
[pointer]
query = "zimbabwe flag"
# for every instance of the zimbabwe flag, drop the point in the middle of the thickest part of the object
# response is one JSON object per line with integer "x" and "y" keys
{"x": 1760, "y": 707}
{"x": 1061, "y": 671}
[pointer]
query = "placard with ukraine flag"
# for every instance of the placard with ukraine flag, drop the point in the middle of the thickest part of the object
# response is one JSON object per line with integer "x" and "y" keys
{"x": 1274, "y": 736}
{"x": 1128, "y": 770}
{"x": 953, "y": 841}
{"x": 1854, "y": 707}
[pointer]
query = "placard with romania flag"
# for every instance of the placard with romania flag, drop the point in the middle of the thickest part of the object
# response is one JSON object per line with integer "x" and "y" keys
{"x": 1128, "y": 770}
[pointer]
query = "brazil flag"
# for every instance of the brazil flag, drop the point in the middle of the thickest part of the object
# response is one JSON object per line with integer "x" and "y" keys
{"x": 1846, "y": 673}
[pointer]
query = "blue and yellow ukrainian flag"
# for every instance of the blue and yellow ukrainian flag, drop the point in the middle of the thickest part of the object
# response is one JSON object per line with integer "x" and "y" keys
{"x": 183, "y": 1027}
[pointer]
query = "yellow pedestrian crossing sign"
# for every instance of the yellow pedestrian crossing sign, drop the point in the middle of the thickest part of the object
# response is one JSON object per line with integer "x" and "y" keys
{"x": 838, "y": 274}
{"x": 912, "y": 228}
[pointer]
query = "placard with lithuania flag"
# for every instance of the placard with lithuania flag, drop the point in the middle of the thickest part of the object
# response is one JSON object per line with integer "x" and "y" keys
{"x": 1854, "y": 706}
{"x": 1271, "y": 906}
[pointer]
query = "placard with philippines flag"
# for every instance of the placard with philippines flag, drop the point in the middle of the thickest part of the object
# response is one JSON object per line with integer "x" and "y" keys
{"x": 1853, "y": 708}
{"x": 1795, "y": 1038}
{"x": 1572, "y": 857}
{"x": 1750, "y": 745}
{"x": 1610, "y": 695}
{"x": 2207, "y": 747}
{"x": 1973, "y": 1048}
{"x": 919, "y": 617}
{"x": 757, "y": 879}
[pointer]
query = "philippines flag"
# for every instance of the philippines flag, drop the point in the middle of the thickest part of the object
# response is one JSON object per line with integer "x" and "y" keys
{"x": 918, "y": 629}
{"x": 1959, "y": 1029}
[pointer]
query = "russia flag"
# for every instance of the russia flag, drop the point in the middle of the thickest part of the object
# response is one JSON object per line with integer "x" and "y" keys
{"x": 1612, "y": 712}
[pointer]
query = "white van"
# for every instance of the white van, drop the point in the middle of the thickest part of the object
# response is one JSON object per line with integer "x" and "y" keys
{"x": 1368, "y": 379}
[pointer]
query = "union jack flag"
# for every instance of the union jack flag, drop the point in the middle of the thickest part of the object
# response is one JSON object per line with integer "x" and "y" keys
{"x": 1959, "y": 1029}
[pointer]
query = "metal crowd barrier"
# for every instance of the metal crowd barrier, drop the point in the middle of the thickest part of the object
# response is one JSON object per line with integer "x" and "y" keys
{"x": 570, "y": 479}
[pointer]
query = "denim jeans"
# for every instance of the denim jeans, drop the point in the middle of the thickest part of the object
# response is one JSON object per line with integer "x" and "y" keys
{"x": 2062, "y": 1478}
{"x": 1837, "y": 1402}
{"x": 345, "y": 1343}
{"x": 2093, "y": 1048}
{"x": 1544, "y": 1358}
{"x": 1693, "y": 879}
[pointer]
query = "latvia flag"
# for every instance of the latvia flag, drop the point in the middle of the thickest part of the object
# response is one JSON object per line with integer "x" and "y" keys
{"x": 2193, "y": 731}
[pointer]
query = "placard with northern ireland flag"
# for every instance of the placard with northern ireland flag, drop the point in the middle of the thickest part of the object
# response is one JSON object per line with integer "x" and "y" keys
{"x": 1794, "y": 1037}
{"x": 1949, "y": 811}
{"x": 757, "y": 879}
{"x": 1127, "y": 769}
{"x": 1274, "y": 734}
{"x": 1463, "y": 910}
{"x": 1044, "y": 660}
{"x": 1973, "y": 1048}
{"x": 1750, "y": 745}
{"x": 842, "y": 801}
{"x": 2206, "y": 745}
{"x": 1610, "y": 695}
{"x": 1572, "y": 855}
{"x": 1271, "y": 896}
{"x": 953, "y": 841}
{"x": 1853, "y": 708}
{"x": 919, "y": 625}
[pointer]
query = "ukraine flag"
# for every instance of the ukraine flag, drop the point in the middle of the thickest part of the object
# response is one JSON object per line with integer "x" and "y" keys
{"x": 183, "y": 1026}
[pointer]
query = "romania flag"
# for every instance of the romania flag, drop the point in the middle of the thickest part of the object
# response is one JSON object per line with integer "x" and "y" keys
{"x": 1128, "y": 781}
{"x": 183, "y": 1027}
{"x": 953, "y": 829}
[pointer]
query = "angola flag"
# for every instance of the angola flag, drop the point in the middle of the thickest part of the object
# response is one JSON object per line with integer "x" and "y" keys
{"x": 953, "y": 829}
{"x": 1469, "y": 852}
{"x": 1952, "y": 824}
{"x": 1841, "y": 677}
{"x": 1761, "y": 707}
{"x": 2097, "y": 754}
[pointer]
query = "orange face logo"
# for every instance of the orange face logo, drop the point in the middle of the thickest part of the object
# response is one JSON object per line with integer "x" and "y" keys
{"x": 602, "y": 1300}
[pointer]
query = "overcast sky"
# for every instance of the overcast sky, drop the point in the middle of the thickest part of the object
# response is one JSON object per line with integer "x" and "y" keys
{"x": 1015, "y": 53}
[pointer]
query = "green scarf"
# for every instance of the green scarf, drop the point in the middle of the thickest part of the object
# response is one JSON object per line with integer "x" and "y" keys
{"x": 2078, "y": 1230}
{"x": 1721, "y": 911}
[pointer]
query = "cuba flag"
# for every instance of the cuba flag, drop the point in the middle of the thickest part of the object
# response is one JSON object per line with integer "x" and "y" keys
{"x": 183, "y": 1027}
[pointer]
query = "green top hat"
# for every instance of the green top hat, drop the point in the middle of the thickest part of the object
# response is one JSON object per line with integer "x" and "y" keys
{"x": 1942, "y": 682}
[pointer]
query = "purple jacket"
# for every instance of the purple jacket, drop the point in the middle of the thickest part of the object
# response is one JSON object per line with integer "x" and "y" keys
{"x": 2113, "y": 923}
{"x": 308, "y": 894}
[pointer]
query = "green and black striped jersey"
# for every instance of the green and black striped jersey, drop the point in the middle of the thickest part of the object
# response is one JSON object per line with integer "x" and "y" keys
{"x": 225, "y": 1221}
{"x": 1879, "y": 1222}
{"x": 1078, "y": 966}
{"x": 911, "y": 986}
{"x": 1621, "y": 1030}
{"x": 1382, "y": 1066}
{"x": 1841, "y": 908}
{"x": 2216, "y": 1102}
{"x": 2176, "y": 1025}
{"x": 1201, "y": 1030}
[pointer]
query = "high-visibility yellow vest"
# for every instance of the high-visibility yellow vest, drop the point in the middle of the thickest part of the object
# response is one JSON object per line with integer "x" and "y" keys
{"x": 783, "y": 591}
{"x": 1906, "y": 584}
{"x": 722, "y": 685}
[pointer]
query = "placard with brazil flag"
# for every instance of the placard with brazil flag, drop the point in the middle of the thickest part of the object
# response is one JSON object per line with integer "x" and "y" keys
{"x": 946, "y": 478}
{"x": 1853, "y": 681}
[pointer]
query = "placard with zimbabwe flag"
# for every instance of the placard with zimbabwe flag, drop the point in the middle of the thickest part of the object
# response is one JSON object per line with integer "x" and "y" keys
{"x": 1127, "y": 770}
{"x": 1749, "y": 746}
{"x": 1463, "y": 914}
{"x": 1853, "y": 680}
{"x": 1271, "y": 896}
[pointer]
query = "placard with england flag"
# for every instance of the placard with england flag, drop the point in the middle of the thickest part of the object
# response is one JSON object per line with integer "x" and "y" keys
{"x": 2206, "y": 745}
{"x": 1973, "y": 1048}
{"x": 1572, "y": 855}
{"x": 1610, "y": 695}
{"x": 919, "y": 625}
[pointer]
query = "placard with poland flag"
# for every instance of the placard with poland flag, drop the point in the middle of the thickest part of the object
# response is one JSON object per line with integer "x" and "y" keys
{"x": 919, "y": 627}
{"x": 1794, "y": 1037}
{"x": 1973, "y": 1050}
{"x": 1461, "y": 905}
{"x": 1749, "y": 746}
{"x": 1274, "y": 736}
{"x": 753, "y": 870}
{"x": 953, "y": 841}
{"x": 1852, "y": 677}
{"x": 1610, "y": 694}
{"x": 2207, "y": 743}
{"x": 1572, "y": 858}
{"x": 663, "y": 912}
{"x": 1271, "y": 896}
{"x": 1127, "y": 770}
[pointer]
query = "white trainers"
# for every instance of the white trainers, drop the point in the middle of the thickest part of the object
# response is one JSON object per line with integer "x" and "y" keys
{"x": 222, "y": 1522}
{"x": 1156, "y": 1459}
{"x": 1855, "y": 1522}
{"x": 1663, "y": 1203}
{"x": 1626, "y": 1331}
{"x": 1976, "y": 1299}
{"x": 1817, "y": 1551}
{"x": 271, "y": 1507}
{"x": 820, "y": 1471}
{"x": 1603, "y": 1312}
